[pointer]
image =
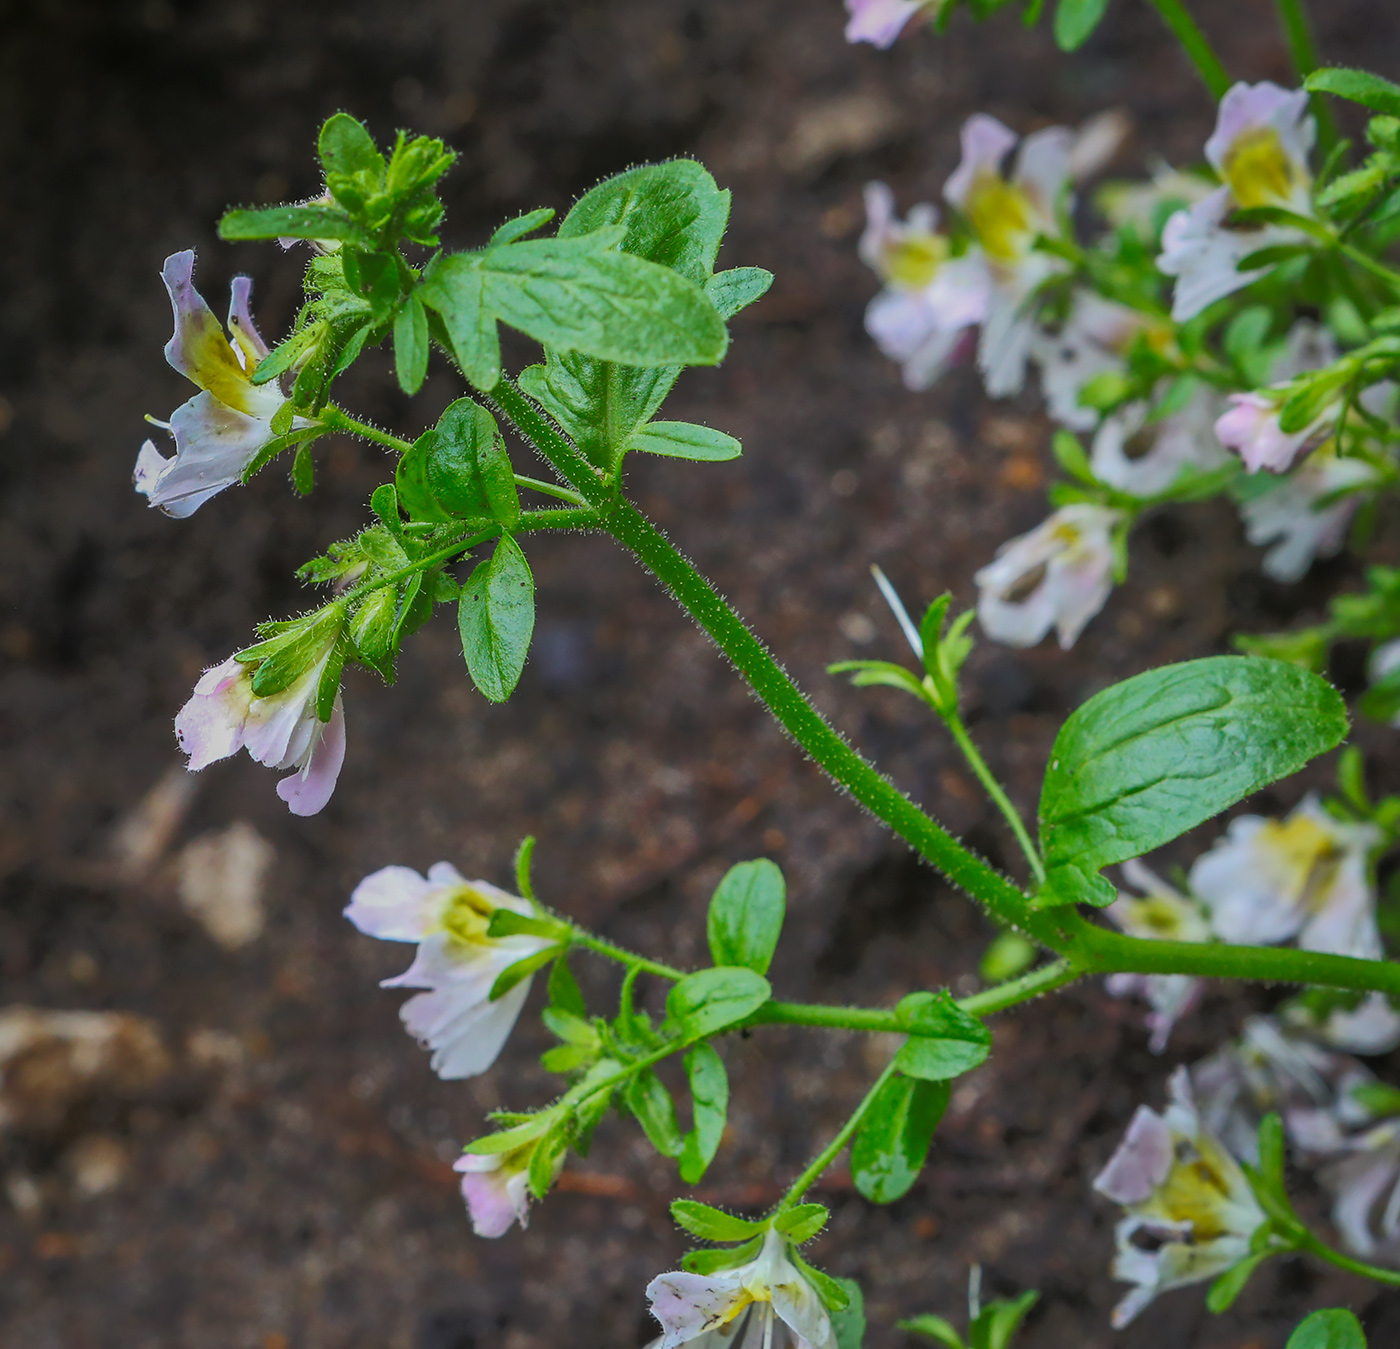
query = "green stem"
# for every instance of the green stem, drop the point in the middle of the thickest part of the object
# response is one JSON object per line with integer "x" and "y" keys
{"x": 552, "y": 489}
{"x": 1319, "y": 1248}
{"x": 612, "y": 951}
{"x": 994, "y": 789}
{"x": 1197, "y": 46}
{"x": 339, "y": 420}
{"x": 1365, "y": 260}
{"x": 1297, "y": 27}
{"x": 829, "y": 1154}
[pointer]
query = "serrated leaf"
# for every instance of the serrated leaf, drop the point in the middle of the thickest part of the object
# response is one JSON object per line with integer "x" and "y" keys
{"x": 289, "y": 222}
{"x": 705, "y": 1003}
{"x": 648, "y": 1099}
{"x": 709, "y": 1105}
{"x": 1075, "y": 20}
{"x": 713, "y": 1224}
{"x": 894, "y": 1137}
{"x": 496, "y": 619}
{"x": 685, "y": 440}
{"x": 1144, "y": 761}
{"x": 1360, "y": 86}
{"x": 746, "y": 915}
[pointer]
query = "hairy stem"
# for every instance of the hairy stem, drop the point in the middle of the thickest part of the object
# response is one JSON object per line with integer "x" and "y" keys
{"x": 339, "y": 420}
{"x": 829, "y": 1154}
{"x": 601, "y": 946}
{"x": 1196, "y": 45}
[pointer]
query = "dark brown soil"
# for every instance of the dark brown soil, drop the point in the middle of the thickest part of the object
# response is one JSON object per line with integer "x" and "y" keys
{"x": 304, "y": 1198}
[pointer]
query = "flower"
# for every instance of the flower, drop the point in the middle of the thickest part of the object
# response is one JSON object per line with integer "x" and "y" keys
{"x": 1183, "y": 1190}
{"x": 760, "y": 1305}
{"x": 880, "y": 22}
{"x": 1260, "y": 150}
{"x": 1163, "y": 913}
{"x": 496, "y": 1187}
{"x": 220, "y": 431}
{"x": 456, "y": 961}
{"x": 1307, "y": 513}
{"x": 1371, "y": 1027}
{"x": 1359, "y": 1180}
{"x": 1091, "y": 341}
{"x": 1143, "y": 204}
{"x": 1145, "y": 457}
{"x": 281, "y": 730}
{"x": 1058, "y": 575}
{"x": 1306, "y": 877}
{"x": 1006, "y": 216}
{"x": 930, "y": 299}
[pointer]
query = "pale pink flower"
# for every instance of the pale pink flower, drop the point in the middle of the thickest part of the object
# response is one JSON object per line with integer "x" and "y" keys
{"x": 1092, "y": 341}
{"x": 283, "y": 730}
{"x": 457, "y": 962}
{"x": 1057, "y": 576}
{"x": 880, "y": 22}
{"x": 496, "y": 1188}
{"x": 1185, "y": 1193}
{"x": 221, "y": 430}
{"x": 1145, "y": 457}
{"x": 764, "y": 1304}
{"x": 1260, "y": 149}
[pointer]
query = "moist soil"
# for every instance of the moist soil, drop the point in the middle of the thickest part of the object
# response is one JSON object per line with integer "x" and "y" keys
{"x": 289, "y": 1183}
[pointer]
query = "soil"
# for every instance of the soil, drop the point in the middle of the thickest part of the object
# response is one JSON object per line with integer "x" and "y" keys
{"x": 289, "y": 1183}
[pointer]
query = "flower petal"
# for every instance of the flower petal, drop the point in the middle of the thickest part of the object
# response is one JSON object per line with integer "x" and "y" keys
{"x": 307, "y": 792}
{"x": 393, "y": 904}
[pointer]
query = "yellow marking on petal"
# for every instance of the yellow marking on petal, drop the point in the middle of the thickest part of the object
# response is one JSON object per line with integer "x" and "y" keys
{"x": 1002, "y": 217}
{"x": 1196, "y": 1191}
{"x": 914, "y": 261}
{"x": 1309, "y": 856}
{"x": 1259, "y": 170}
{"x": 466, "y": 915}
{"x": 1157, "y": 914}
{"x": 215, "y": 366}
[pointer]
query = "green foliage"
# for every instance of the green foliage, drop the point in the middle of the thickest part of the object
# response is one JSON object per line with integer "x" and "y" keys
{"x": 684, "y": 440}
{"x": 894, "y": 1137}
{"x": 1075, "y": 21}
{"x": 496, "y": 619}
{"x": 992, "y": 1327}
{"x": 459, "y": 470}
{"x": 746, "y": 915}
{"x": 1154, "y": 756}
{"x": 944, "y": 1041}
{"x": 1332, "y": 1328}
{"x": 802, "y": 1223}
{"x": 1359, "y": 86}
{"x": 709, "y": 1001}
{"x": 848, "y": 1322}
{"x": 713, "y": 1224}
{"x": 709, "y": 1105}
{"x": 648, "y": 1099}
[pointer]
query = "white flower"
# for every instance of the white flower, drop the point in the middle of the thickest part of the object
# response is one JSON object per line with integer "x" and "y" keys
{"x": 220, "y": 431}
{"x": 1184, "y": 1191}
{"x": 1371, "y": 1027}
{"x": 881, "y": 21}
{"x": 1165, "y": 914}
{"x": 1269, "y": 1068}
{"x": 1359, "y": 1182}
{"x": 1260, "y": 150}
{"x": 930, "y": 299}
{"x": 1142, "y": 204}
{"x": 765, "y": 1304}
{"x": 282, "y": 730}
{"x": 1300, "y": 515}
{"x": 448, "y": 916}
{"x": 1058, "y": 575}
{"x": 1091, "y": 341}
{"x": 1306, "y": 877}
{"x": 1146, "y": 458}
{"x": 1007, "y": 215}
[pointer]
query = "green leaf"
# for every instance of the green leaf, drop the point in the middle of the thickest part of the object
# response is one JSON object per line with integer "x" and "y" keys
{"x": 892, "y": 1143}
{"x": 1229, "y": 1285}
{"x": 507, "y": 923}
{"x": 1360, "y": 86}
{"x": 346, "y": 147}
{"x": 802, "y": 1223}
{"x": 288, "y": 222}
{"x": 737, "y": 288}
{"x": 522, "y": 969}
{"x": 648, "y": 1099}
{"x": 411, "y": 345}
{"x": 944, "y": 1040}
{"x": 455, "y": 288}
{"x": 871, "y": 673}
{"x": 936, "y": 1328}
{"x": 848, "y": 1324}
{"x": 303, "y": 470}
{"x": 710, "y": 1262}
{"x": 460, "y": 469}
{"x": 713, "y": 1224}
{"x": 746, "y": 915}
{"x": 999, "y": 1321}
{"x": 705, "y": 1003}
{"x": 834, "y": 1292}
{"x": 522, "y": 225}
{"x": 1147, "y": 759}
{"x": 496, "y": 618}
{"x": 1075, "y": 20}
{"x": 564, "y": 992}
{"x": 1009, "y": 954}
{"x": 1332, "y": 1328}
{"x": 685, "y": 440}
{"x": 709, "y": 1107}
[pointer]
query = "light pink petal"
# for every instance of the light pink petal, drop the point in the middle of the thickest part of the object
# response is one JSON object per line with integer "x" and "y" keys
{"x": 307, "y": 792}
{"x": 394, "y": 904}
{"x": 1251, "y": 428}
{"x": 210, "y": 725}
{"x": 689, "y": 1304}
{"x": 878, "y": 21}
{"x": 150, "y": 464}
{"x": 1248, "y": 106}
{"x": 496, "y": 1197}
{"x": 214, "y": 444}
{"x": 240, "y": 321}
{"x": 470, "y": 1044}
{"x": 985, "y": 143}
{"x": 1141, "y": 1163}
{"x": 1043, "y": 167}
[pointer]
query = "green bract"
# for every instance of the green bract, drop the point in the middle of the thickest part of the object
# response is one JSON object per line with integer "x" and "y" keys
{"x": 1154, "y": 756}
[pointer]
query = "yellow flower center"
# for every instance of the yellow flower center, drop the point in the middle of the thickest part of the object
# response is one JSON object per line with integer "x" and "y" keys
{"x": 466, "y": 914}
{"x": 1308, "y": 855}
{"x": 1196, "y": 1191}
{"x": 1002, "y": 217}
{"x": 1158, "y": 915}
{"x": 914, "y": 261}
{"x": 1259, "y": 171}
